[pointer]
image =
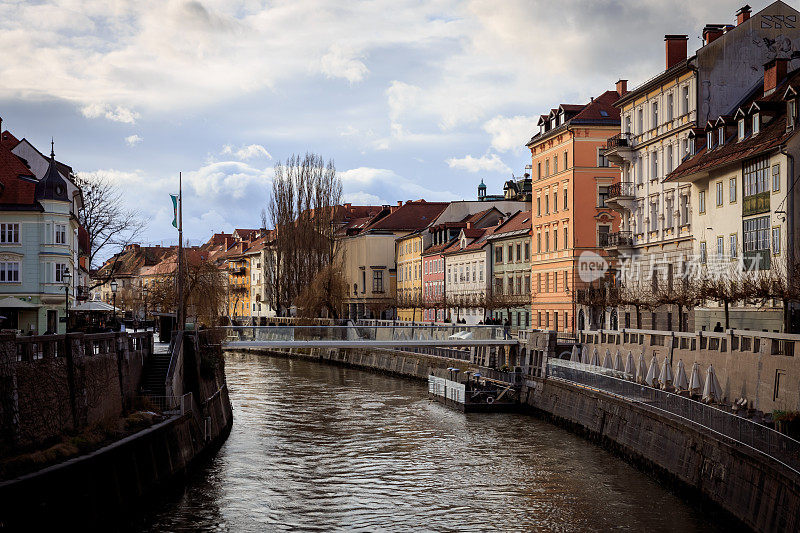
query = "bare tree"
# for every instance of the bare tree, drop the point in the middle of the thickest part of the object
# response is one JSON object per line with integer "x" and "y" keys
{"x": 105, "y": 218}
{"x": 303, "y": 210}
{"x": 326, "y": 291}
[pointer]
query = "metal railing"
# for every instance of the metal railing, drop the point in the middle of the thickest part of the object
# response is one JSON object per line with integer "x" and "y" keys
{"x": 623, "y": 188}
{"x": 167, "y": 405}
{"x": 619, "y": 238}
{"x": 363, "y": 333}
{"x": 757, "y": 436}
{"x": 617, "y": 141}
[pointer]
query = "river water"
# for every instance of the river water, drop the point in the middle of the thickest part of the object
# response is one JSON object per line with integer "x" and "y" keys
{"x": 321, "y": 448}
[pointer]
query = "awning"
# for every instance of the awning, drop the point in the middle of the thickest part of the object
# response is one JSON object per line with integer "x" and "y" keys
{"x": 94, "y": 307}
{"x": 15, "y": 303}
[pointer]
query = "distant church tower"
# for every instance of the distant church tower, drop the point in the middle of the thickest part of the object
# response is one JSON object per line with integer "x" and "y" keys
{"x": 481, "y": 191}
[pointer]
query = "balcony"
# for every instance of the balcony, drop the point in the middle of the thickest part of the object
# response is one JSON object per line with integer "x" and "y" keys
{"x": 755, "y": 204}
{"x": 621, "y": 197}
{"x": 618, "y": 148}
{"x": 617, "y": 241}
{"x": 237, "y": 270}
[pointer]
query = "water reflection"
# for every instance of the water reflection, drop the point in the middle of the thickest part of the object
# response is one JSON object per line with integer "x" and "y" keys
{"x": 319, "y": 448}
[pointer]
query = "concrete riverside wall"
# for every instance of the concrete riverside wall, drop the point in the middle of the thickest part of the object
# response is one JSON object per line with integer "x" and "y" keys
{"x": 760, "y": 492}
{"x": 110, "y": 488}
{"x": 406, "y": 364}
{"x": 747, "y": 363}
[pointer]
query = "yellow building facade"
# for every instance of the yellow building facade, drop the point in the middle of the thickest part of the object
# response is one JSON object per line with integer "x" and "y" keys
{"x": 409, "y": 277}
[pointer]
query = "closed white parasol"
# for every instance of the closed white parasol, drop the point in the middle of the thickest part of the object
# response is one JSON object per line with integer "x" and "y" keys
{"x": 695, "y": 383}
{"x": 711, "y": 390}
{"x": 630, "y": 366}
{"x": 652, "y": 373}
{"x": 666, "y": 377}
{"x": 619, "y": 366}
{"x": 574, "y": 357}
{"x": 642, "y": 371}
{"x": 681, "y": 382}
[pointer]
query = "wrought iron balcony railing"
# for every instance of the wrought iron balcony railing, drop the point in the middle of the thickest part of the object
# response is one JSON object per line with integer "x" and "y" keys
{"x": 621, "y": 189}
{"x": 619, "y": 238}
{"x": 620, "y": 140}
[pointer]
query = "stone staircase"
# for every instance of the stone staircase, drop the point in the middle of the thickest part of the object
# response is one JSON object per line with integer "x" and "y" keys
{"x": 155, "y": 374}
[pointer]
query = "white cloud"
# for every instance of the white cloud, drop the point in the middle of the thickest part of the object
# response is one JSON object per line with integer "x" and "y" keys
{"x": 244, "y": 153}
{"x": 487, "y": 163}
{"x": 510, "y": 133}
{"x": 390, "y": 184}
{"x": 362, "y": 198}
{"x": 115, "y": 114}
{"x": 341, "y": 62}
{"x": 133, "y": 140}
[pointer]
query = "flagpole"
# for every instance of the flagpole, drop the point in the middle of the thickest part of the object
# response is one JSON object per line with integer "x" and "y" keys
{"x": 180, "y": 312}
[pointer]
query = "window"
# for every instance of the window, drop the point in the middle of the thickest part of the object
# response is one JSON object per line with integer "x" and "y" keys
{"x": 640, "y": 170}
{"x": 654, "y": 165}
{"x": 732, "y": 190}
{"x": 527, "y": 284}
{"x": 510, "y": 257}
{"x": 555, "y": 239}
{"x": 776, "y": 178}
{"x": 539, "y": 282}
{"x": 756, "y": 236}
{"x": 539, "y": 243}
{"x": 9, "y": 233}
{"x": 480, "y": 272}
{"x": 527, "y": 251}
{"x": 719, "y": 194}
{"x": 685, "y": 99}
{"x": 546, "y": 204}
{"x": 720, "y": 247}
{"x": 60, "y": 234}
{"x": 701, "y": 201}
{"x": 602, "y": 160}
{"x": 721, "y": 133}
{"x": 519, "y": 252}
{"x": 640, "y": 120}
{"x": 602, "y": 195}
{"x": 555, "y": 200}
{"x": 565, "y": 281}
{"x": 669, "y": 168}
{"x": 566, "y": 238}
{"x": 539, "y": 170}
{"x": 670, "y": 106}
{"x": 547, "y": 282}
{"x": 565, "y": 199}
{"x": 9, "y": 272}
{"x": 60, "y": 269}
{"x": 546, "y": 241}
{"x": 703, "y": 255}
{"x": 377, "y": 281}
{"x": 709, "y": 140}
{"x": 655, "y": 115}
{"x": 538, "y": 206}
{"x": 734, "y": 245}
{"x": 756, "y": 124}
{"x": 755, "y": 176}
{"x": 740, "y": 125}
{"x": 602, "y": 235}
{"x": 547, "y": 168}
{"x": 791, "y": 113}
{"x": 555, "y": 164}
{"x": 498, "y": 254}
{"x": 776, "y": 240}
{"x": 566, "y": 161}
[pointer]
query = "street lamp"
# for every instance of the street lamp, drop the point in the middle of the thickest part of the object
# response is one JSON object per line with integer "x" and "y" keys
{"x": 114, "y": 299}
{"x": 65, "y": 277}
{"x": 145, "y": 290}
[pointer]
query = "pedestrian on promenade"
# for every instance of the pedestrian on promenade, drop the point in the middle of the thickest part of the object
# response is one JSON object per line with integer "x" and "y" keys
{"x": 506, "y": 329}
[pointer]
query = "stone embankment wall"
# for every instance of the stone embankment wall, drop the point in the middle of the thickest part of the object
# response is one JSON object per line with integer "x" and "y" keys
{"x": 760, "y": 492}
{"x": 758, "y": 366}
{"x": 111, "y": 488}
{"x": 55, "y": 383}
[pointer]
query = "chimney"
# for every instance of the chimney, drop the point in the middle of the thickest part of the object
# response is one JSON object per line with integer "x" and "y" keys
{"x": 469, "y": 225}
{"x": 712, "y": 32}
{"x": 743, "y": 14}
{"x": 774, "y": 73}
{"x": 622, "y": 87}
{"x": 399, "y": 203}
{"x": 676, "y": 49}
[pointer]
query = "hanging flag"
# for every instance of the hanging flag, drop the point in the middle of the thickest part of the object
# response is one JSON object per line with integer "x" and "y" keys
{"x": 174, "y": 209}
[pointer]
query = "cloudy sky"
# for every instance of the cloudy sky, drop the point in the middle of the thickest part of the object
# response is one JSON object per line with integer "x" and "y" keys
{"x": 412, "y": 99}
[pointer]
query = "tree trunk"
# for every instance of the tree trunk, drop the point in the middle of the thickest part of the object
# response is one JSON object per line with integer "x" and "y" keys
{"x": 727, "y": 315}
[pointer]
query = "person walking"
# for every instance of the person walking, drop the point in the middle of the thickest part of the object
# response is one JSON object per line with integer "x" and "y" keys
{"x": 506, "y": 329}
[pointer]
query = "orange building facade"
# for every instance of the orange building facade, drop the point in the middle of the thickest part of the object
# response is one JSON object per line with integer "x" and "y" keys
{"x": 570, "y": 180}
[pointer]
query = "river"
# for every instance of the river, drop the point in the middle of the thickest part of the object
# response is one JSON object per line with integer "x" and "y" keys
{"x": 321, "y": 448}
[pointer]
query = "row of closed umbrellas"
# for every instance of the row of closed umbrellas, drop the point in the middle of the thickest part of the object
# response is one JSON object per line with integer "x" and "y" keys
{"x": 654, "y": 375}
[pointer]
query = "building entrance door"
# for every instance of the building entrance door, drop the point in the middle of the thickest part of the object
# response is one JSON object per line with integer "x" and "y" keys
{"x": 52, "y": 321}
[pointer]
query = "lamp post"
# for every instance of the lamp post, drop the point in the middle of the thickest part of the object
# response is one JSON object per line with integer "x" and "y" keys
{"x": 145, "y": 290}
{"x": 114, "y": 299}
{"x": 65, "y": 277}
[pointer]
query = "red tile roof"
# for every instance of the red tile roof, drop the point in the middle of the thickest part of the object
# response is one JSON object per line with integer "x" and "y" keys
{"x": 18, "y": 182}
{"x": 599, "y": 111}
{"x": 520, "y": 221}
{"x": 8, "y": 140}
{"x": 411, "y": 216}
{"x": 476, "y": 240}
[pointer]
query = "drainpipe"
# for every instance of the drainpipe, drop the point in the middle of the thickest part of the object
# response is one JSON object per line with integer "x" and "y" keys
{"x": 790, "y": 214}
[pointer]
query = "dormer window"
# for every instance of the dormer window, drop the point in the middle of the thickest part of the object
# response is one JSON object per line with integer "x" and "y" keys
{"x": 740, "y": 125}
{"x": 709, "y": 140}
{"x": 721, "y": 140}
{"x": 552, "y": 122}
{"x": 691, "y": 146}
{"x": 756, "y": 123}
{"x": 791, "y": 113}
